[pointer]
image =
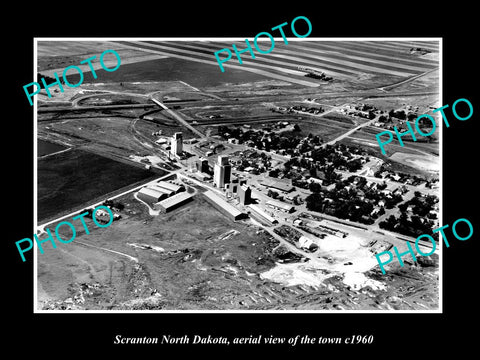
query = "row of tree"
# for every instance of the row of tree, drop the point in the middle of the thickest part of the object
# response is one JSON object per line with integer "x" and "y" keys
{"x": 353, "y": 209}
{"x": 414, "y": 226}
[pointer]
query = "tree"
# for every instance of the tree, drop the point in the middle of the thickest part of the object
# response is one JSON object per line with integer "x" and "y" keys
{"x": 222, "y": 129}
{"x": 389, "y": 223}
{"x": 416, "y": 222}
{"x": 48, "y": 79}
{"x": 411, "y": 116}
{"x": 431, "y": 200}
{"x": 315, "y": 187}
{"x": 361, "y": 181}
{"x": 274, "y": 173}
{"x": 271, "y": 193}
{"x": 354, "y": 165}
{"x": 314, "y": 202}
{"x": 382, "y": 119}
{"x": 400, "y": 114}
{"x": 403, "y": 207}
{"x": 382, "y": 186}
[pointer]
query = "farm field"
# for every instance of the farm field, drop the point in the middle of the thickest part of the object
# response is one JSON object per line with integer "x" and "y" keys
{"x": 358, "y": 63}
{"x": 45, "y": 147}
{"x": 326, "y": 55}
{"x": 71, "y": 179}
{"x": 169, "y": 69}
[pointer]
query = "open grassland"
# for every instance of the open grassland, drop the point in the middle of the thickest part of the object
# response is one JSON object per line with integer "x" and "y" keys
{"x": 226, "y": 112}
{"x": 196, "y": 258}
{"x": 422, "y": 101}
{"x": 170, "y": 69}
{"x": 167, "y": 127}
{"x": 325, "y": 129}
{"x": 425, "y": 145}
{"x": 360, "y": 64}
{"x": 202, "y": 252}
{"x": 91, "y": 128}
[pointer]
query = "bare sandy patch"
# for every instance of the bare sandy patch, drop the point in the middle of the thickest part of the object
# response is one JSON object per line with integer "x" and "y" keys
{"x": 349, "y": 257}
{"x": 422, "y": 162}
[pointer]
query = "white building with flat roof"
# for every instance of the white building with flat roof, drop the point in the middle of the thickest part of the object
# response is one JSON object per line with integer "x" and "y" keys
{"x": 174, "y": 201}
{"x": 177, "y": 144}
{"x": 263, "y": 214}
{"x": 279, "y": 205}
{"x": 222, "y": 171}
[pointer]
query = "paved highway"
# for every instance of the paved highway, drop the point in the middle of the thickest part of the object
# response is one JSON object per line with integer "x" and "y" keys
{"x": 349, "y": 132}
{"x": 178, "y": 118}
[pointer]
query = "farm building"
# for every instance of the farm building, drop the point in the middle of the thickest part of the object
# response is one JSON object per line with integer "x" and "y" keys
{"x": 163, "y": 190}
{"x": 279, "y": 205}
{"x": 271, "y": 220}
{"x": 151, "y": 195}
{"x": 173, "y": 202}
{"x": 172, "y": 187}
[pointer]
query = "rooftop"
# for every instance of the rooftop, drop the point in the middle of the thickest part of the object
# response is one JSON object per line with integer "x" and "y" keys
{"x": 244, "y": 187}
{"x": 279, "y": 204}
{"x": 258, "y": 210}
{"x": 151, "y": 192}
{"x": 277, "y": 184}
{"x": 169, "y": 186}
{"x": 161, "y": 189}
{"x": 175, "y": 199}
{"x": 232, "y": 210}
